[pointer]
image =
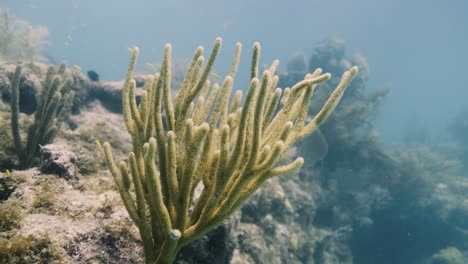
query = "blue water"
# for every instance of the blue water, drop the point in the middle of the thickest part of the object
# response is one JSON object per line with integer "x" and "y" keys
{"x": 418, "y": 48}
{"x": 415, "y": 47}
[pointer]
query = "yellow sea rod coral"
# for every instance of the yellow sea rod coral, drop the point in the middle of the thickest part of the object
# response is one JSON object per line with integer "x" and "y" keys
{"x": 206, "y": 137}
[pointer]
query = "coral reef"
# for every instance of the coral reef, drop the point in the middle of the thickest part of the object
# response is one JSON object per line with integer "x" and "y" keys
{"x": 56, "y": 159}
{"x": 408, "y": 194}
{"x": 48, "y": 220}
{"x": 19, "y": 40}
{"x": 354, "y": 193}
{"x": 458, "y": 129}
{"x": 450, "y": 255}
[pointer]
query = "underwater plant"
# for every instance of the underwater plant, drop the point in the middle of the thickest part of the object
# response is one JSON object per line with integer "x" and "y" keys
{"x": 202, "y": 138}
{"x": 55, "y": 102}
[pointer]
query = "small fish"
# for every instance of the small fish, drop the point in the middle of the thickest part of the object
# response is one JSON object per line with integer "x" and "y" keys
{"x": 68, "y": 40}
{"x": 93, "y": 76}
{"x": 151, "y": 67}
{"x": 215, "y": 75}
{"x": 227, "y": 24}
{"x": 31, "y": 5}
